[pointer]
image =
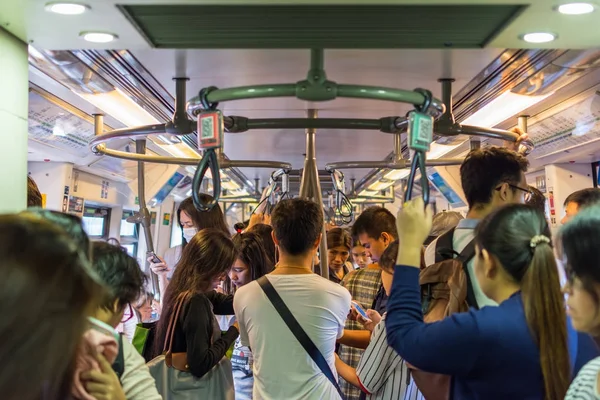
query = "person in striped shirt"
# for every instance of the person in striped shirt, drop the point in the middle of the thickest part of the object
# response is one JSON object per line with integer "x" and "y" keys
{"x": 381, "y": 373}
{"x": 363, "y": 285}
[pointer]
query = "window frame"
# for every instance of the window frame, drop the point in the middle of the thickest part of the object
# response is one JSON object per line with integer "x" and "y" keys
{"x": 105, "y": 217}
{"x": 130, "y": 239}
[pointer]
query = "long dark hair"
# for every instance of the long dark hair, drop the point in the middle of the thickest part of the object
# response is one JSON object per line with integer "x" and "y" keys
{"x": 265, "y": 231}
{"x": 209, "y": 254}
{"x": 47, "y": 290}
{"x": 251, "y": 251}
{"x": 507, "y": 235}
{"x": 580, "y": 245}
{"x": 213, "y": 218}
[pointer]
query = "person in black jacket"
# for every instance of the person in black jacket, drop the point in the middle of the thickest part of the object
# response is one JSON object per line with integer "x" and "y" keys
{"x": 204, "y": 263}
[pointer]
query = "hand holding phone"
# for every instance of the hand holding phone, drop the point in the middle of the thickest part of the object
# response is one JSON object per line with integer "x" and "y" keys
{"x": 360, "y": 310}
{"x": 157, "y": 265}
{"x": 153, "y": 258}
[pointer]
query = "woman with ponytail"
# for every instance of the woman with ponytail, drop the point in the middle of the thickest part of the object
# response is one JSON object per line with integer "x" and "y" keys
{"x": 522, "y": 349}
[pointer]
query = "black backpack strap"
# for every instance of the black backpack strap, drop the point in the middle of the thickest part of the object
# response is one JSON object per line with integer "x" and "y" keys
{"x": 444, "y": 247}
{"x": 298, "y": 332}
{"x": 119, "y": 364}
{"x": 464, "y": 257}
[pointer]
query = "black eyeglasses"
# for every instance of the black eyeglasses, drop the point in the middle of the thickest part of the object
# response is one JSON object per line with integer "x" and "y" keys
{"x": 127, "y": 314}
{"x": 528, "y": 192}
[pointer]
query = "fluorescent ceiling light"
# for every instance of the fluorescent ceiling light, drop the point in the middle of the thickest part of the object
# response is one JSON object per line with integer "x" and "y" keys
{"x": 98, "y": 37}
{"x": 437, "y": 150}
{"x": 507, "y": 105}
{"x": 180, "y": 150}
{"x": 241, "y": 192}
{"x": 368, "y": 193}
{"x": 539, "y": 37}
{"x": 575, "y": 8}
{"x": 229, "y": 184}
{"x": 121, "y": 107}
{"x": 397, "y": 174}
{"x": 66, "y": 8}
{"x": 380, "y": 185}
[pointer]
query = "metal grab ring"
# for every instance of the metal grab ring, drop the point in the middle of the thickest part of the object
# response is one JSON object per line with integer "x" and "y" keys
{"x": 424, "y": 108}
{"x": 418, "y": 162}
{"x": 209, "y": 160}
{"x": 266, "y": 199}
{"x": 341, "y": 201}
{"x": 203, "y": 96}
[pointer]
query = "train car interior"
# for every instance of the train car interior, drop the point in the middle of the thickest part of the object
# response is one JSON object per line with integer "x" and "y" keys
{"x": 304, "y": 98}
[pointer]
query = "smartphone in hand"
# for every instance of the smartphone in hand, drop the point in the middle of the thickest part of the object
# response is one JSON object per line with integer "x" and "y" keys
{"x": 360, "y": 310}
{"x": 155, "y": 259}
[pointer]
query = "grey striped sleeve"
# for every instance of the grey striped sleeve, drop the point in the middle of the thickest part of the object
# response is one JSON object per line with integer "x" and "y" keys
{"x": 585, "y": 385}
{"x": 379, "y": 367}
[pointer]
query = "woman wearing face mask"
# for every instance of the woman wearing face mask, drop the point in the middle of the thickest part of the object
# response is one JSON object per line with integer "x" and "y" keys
{"x": 191, "y": 221}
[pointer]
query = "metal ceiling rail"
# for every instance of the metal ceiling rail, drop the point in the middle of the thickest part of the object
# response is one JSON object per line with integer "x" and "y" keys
{"x": 316, "y": 87}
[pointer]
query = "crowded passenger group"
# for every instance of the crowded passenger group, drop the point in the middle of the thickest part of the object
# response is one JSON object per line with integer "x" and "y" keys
{"x": 417, "y": 306}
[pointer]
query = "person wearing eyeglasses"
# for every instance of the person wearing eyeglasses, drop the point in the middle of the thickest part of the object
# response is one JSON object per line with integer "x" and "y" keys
{"x": 491, "y": 178}
{"x": 124, "y": 280}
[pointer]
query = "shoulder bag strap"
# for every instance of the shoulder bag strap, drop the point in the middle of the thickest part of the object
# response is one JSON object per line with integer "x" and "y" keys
{"x": 464, "y": 257}
{"x": 298, "y": 332}
{"x": 168, "y": 348}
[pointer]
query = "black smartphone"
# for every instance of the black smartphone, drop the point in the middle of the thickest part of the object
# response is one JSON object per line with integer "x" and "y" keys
{"x": 155, "y": 258}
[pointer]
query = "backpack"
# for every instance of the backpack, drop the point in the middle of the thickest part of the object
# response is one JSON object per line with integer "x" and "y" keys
{"x": 445, "y": 289}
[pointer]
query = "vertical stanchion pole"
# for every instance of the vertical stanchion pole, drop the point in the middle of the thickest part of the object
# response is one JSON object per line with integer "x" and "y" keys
{"x": 98, "y": 124}
{"x": 310, "y": 188}
{"x": 140, "y": 147}
{"x": 522, "y": 122}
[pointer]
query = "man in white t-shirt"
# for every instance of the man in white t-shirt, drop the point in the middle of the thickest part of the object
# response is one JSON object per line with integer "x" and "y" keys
{"x": 491, "y": 178}
{"x": 282, "y": 368}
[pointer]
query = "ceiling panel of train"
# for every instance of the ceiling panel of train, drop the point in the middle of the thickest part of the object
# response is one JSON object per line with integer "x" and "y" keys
{"x": 28, "y": 20}
{"x": 558, "y": 88}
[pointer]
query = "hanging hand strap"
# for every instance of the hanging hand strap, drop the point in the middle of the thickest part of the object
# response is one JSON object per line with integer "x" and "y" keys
{"x": 420, "y": 144}
{"x": 299, "y": 333}
{"x": 209, "y": 160}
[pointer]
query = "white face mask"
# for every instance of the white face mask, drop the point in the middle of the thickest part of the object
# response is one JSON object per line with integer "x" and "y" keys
{"x": 189, "y": 233}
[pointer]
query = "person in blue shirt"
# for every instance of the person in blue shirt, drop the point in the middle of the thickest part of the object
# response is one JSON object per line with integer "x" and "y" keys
{"x": 523, "y": 349}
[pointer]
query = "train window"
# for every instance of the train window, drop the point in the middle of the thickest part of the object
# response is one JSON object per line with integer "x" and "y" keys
{"x": 176, "y": 235}
{"x": 96, "y": 221}
{"x": 129, "y": 234}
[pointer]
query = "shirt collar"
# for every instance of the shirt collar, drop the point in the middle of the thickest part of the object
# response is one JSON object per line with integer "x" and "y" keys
{"x": 467, "y": 223}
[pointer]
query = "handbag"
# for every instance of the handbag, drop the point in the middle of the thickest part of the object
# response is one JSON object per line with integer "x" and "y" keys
{"x": 173, "y": 379}
{"x": 143, "y": 339}
{"x": 294, "y": 326}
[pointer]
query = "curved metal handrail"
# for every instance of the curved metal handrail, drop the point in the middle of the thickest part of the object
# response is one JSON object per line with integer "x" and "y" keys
{"x": 397, "y": 164}
{"x": 223, "y": 163}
